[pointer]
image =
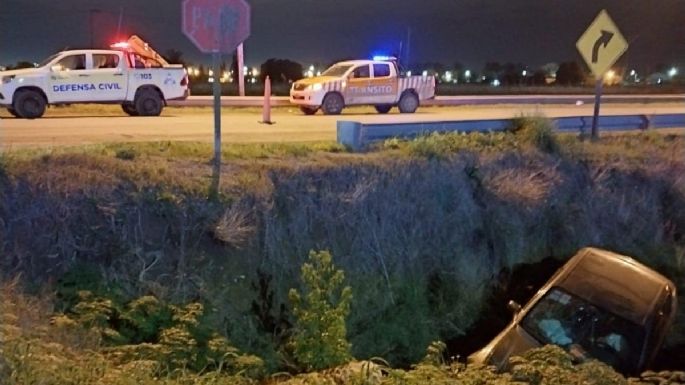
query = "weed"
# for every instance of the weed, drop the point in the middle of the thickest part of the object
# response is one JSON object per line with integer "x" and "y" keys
{"x": 320, "y": 335}
{"x": 535, "y": 131}
{"x": 126, "y": 154}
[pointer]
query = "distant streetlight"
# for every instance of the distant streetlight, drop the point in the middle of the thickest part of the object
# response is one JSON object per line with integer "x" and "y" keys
{"x": 673, "y": 72}
{"x": 448, "y": 76}
{"x": 524, "y": 73}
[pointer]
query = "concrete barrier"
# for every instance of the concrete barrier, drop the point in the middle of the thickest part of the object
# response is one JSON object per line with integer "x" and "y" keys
{"x": 358, "y": 135}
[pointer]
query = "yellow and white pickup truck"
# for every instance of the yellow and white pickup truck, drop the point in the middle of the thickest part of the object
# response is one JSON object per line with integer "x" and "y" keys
{"x": 362, "y": 82}
{"x": 131, "y": 74}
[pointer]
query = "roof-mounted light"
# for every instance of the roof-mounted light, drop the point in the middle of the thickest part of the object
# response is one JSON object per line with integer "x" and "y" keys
{"x": 120, "y": 45}
{"x": 384, "y": 58}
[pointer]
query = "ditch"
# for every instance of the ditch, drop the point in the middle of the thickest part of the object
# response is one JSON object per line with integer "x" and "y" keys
{"x": 520, "y": 285}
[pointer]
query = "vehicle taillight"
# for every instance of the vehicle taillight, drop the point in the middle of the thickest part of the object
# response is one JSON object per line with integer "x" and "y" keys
{"x": 184, "y": 82}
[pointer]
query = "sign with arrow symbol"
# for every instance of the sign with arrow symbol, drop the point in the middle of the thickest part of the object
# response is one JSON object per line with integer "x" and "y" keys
{"x": 601, "y": 44}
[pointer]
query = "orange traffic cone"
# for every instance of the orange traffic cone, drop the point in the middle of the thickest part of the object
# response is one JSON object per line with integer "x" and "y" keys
{"x": 266, "y": 110}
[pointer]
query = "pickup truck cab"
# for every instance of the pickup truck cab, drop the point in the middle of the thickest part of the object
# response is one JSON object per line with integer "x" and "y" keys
{"x": 362, "y": 82}
{"x": 130, "y": 74}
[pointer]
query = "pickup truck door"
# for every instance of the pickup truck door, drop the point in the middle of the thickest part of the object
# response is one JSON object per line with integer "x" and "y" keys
{"x": 358, "y": 80}
{"x": 68, "y": 80}
{"x": 383, "y": 84}
{"x": 108, "y": 76}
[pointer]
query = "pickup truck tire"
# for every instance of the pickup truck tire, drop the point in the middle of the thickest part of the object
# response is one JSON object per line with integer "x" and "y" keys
{"x": 29, "y": 104}
{"x": 129, "y": 109}
{"x": 308, "y": 110}
{"x": 409, "y": 102}
{"x": 333, "y": 104}
{"x": 148, "y": 103}
{"x": 383, "y": 108}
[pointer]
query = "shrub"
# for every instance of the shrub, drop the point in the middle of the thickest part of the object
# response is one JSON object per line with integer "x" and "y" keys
{"x": 535, "y": 131}
{"x": 320, "y": 335}
{"x": 126, "y": 154}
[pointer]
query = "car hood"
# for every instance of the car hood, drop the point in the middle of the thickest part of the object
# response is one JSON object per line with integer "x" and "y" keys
{"x": 317, "y": 79}
{"x": 512, "y": 341}
{"x": 20, "y": 72}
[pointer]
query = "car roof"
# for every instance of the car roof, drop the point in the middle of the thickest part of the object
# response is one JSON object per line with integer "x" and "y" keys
{"x": 615, "y": 282}
{"x": 86, "y": 51}
{"x": 360, "y": 62}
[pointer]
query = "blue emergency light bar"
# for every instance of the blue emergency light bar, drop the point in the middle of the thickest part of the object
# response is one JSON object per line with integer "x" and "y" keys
{"x": 384, "y": 58}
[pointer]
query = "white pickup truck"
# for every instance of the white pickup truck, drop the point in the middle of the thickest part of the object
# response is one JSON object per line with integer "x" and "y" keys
{"x": 362, "y": 82}
{"x": 131, "y": 74}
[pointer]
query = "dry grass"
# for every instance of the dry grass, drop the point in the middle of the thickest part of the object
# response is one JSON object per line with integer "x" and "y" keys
{"x": 401, "y": 223}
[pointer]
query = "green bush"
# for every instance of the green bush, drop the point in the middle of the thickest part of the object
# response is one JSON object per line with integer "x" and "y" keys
{"x": 126, "y": 154}
{"x": 320, "y": 335}
{"x": 535, "y": 131}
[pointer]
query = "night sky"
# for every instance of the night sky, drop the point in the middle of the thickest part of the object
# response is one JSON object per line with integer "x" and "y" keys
{"x": 472, "y": 32}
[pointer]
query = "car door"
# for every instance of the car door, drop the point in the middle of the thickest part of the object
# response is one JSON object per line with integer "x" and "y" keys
{"x": 383, "y": 85}
{"x": 358, "y": 80}
{"x": 107, "y": 74}
{"x": 69, "y": 79}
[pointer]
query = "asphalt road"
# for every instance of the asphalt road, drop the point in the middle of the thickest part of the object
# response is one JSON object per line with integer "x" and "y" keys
{"x": 78, "y": 125}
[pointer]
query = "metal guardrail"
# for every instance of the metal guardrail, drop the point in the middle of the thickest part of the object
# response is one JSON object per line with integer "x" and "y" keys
{"x": 258, "y": 101}
{"x": 358, "y": 135}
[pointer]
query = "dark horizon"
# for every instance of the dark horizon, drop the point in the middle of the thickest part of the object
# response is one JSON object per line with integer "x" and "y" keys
{"x": 471, "y": 32}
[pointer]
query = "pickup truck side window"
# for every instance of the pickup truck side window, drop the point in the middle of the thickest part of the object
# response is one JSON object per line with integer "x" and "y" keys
{"x": 361, "y": 72}
{"x": 73, "y": 63}
{"x": 381, "y": 70}
{"x": 105, "y": 61}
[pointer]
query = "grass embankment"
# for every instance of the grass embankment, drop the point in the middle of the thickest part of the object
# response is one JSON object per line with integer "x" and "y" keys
{"x": 424, "y": 229}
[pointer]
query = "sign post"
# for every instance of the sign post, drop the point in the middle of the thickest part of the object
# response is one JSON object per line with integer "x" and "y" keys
{"x": 216, "y": 27}
{"x": 601, "y": 45}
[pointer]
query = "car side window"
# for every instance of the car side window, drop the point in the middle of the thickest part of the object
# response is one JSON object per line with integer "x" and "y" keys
{"x": 381, "y": 70}
{"x": 361, "y": 72}
{"x": 73, "y": 63}
{"x": 105, "y": 61}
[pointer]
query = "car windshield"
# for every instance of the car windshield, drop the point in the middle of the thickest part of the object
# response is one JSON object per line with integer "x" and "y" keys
{"x": 48, "y": 60}
{"x": 576, "y": 325}
{"x": 337, "y": 70}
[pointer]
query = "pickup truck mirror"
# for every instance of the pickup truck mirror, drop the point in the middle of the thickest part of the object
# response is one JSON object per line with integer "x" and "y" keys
{"x": 514, "y": 307}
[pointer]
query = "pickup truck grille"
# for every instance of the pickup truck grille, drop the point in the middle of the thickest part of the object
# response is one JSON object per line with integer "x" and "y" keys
{"x": 299, "y": 87}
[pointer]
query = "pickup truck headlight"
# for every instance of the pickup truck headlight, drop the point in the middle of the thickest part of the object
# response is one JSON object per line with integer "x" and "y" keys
{"x": 7, "y": 79}
{"x": 315, "y": 87}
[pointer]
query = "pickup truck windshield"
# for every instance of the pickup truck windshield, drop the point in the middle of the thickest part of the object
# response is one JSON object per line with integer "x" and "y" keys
{"x": 563, "y": 319}
{"x": 337, "y": 70}
{"x": 48, "y": 60}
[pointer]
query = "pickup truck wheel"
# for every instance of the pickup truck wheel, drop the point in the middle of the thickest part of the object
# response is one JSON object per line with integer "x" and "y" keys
{"x": 308, "y": 110}
{"x": 383, "y": 108}
{"x": 29, "y": 104}
{"x": 13, "y": 112}
{"x": 130, "y": 109}
{"x": 148, "y": 103}
{"x": 333, "y": 104}
{"x": 409, "y": 102}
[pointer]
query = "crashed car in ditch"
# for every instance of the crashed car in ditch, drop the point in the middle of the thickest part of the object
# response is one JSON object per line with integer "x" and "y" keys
{"x": 599, "y": 305}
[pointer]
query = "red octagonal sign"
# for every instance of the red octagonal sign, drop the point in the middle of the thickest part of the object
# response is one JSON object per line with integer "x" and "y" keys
{"x": 216, "y": 25}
